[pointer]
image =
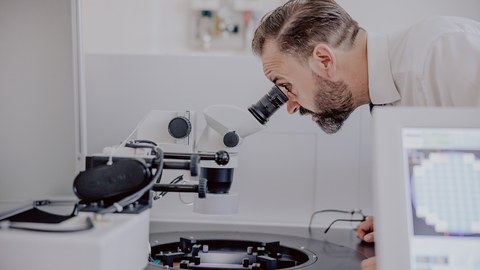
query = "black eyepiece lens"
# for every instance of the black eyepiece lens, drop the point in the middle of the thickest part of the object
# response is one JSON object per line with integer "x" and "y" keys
{"x": 268, "y": 104}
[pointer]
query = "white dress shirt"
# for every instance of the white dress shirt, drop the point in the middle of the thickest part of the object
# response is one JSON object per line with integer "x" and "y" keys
{"x": 433, "y": 63}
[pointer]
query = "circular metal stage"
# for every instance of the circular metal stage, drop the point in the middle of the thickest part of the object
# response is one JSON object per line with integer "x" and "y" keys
{"x": 246, "y": 250}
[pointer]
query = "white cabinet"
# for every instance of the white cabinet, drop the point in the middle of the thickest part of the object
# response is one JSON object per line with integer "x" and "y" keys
{"x": 39, "y": 142}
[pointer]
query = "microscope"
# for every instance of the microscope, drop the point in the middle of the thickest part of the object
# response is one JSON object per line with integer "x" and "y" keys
{"x": 227, "y": 127}
{"x": 166, "y": 141}
{"x": 109, "y": 221}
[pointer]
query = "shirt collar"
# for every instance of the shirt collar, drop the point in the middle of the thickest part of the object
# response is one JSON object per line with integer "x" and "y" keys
{"x": 381, "y": 86}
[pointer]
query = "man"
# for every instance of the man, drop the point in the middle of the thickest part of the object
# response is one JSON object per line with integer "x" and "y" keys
{"x": 328, "y": 65}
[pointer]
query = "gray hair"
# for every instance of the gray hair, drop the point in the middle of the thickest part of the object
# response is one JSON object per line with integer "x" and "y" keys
{"x": 299, "y": 25}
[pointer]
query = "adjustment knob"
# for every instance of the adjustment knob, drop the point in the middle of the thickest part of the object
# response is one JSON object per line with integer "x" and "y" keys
{"x": 222, "y": 157}
{"x": 194, "y": 164}
{"x": 179, "y": 127}
{"x": 245, "y": 262}
{"x": 202, "y": 188}
{"x": 231, "y": 139}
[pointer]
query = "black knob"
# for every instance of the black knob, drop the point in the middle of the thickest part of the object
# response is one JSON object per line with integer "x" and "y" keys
{"x": 179, "y": 127}
{"x": 222, "y": 157}
{"x": 195, "y": 250}
{"x": 245, "y": 262}
{"x": 185, "y": 244}
{"x": 231, "y": 139}
{"x": 194, "y": 164}
{"x": 202, "y": 188}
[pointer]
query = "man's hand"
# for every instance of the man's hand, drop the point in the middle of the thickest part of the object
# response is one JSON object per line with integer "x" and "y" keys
{"x": 365, "y": 233}
{"x": 365, "y": 230}
{"x": 369, "y": 264}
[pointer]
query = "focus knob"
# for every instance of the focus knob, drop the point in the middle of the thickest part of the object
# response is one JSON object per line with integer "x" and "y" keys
{"x": 222, "y": 157}
{"x": 202, "y": 188}
{"x": 194, "y": 164}
{"x": 231, "y": 139}
{"x": 179, "y": 127}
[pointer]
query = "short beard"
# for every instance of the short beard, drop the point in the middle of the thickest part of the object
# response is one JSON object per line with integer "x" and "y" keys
{"x": 334, "y": 103}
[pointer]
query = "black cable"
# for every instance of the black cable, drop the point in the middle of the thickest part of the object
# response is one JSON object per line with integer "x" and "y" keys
{"x": 176, "y": 180}
{"x": 145, "y": 141}
{"x": 351, "y": 212}
{"x": 341, "y": 219}
{"x": 136, "y": 145}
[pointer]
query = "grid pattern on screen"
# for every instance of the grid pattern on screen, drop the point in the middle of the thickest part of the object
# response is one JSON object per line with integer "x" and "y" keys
{"x": 446, "y": 191}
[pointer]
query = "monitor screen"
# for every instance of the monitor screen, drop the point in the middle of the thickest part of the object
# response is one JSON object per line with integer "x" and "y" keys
{"x": 442, "y": 171}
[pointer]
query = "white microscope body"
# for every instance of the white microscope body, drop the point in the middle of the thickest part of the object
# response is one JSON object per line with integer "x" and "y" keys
{"x": 226, "y": 127}
{"x": 225, "y": 130}
{"x": 223, "y": 123}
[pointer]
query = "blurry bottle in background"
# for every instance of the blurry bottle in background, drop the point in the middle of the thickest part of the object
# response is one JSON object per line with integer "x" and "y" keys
{"x": 205, "y": 29}
{"x": 225, "y": 26}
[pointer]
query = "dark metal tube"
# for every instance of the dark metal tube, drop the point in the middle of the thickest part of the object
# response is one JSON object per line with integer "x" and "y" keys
{"x": 187, "y": 156}
{"x": 176, "y": 165}
{"x": 175, "y": 188}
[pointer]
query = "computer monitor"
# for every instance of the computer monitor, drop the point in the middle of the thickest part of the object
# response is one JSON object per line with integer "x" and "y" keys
{"x": 427, "y": 188}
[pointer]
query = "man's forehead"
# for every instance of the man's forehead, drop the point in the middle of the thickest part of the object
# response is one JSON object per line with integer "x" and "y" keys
{"x": 278, "y": 65}
{"x": 272, "y": 59}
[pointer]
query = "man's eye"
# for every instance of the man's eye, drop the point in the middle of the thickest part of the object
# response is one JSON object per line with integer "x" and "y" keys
{"x": 287, "y": 87}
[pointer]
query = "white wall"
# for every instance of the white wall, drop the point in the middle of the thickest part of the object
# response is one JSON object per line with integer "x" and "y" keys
{"x": 392, "y": 15}
{"x": 163, "y": 26}
{"x": 143, "y": 27}
{"x": 286, "y": 171}
{"x": 38, "y": 129}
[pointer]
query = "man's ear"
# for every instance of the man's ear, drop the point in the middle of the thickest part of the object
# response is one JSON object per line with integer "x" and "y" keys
{"x": 323, "y": 61}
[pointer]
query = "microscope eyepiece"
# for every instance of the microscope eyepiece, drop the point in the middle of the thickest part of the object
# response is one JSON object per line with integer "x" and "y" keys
{"x": 268, "y": 104}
